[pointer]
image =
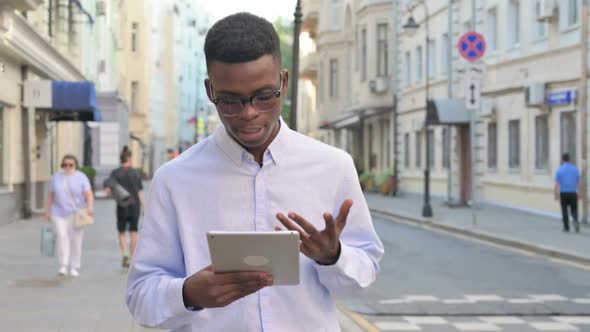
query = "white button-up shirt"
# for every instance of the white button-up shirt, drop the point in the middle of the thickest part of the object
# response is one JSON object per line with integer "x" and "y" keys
{"x": 217, "y": 185}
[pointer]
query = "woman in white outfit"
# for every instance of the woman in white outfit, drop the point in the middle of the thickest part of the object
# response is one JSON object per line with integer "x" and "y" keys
{"x": 70, "y": 191}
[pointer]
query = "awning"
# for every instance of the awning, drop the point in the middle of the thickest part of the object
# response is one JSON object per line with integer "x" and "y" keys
{"x": 352, "y": 119}
{"x": 64, "y": 101}
{"x": 447, "y": 112}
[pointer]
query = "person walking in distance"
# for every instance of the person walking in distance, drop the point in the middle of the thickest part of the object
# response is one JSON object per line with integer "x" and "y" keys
{"x": 567, "y": 185}
{"x": 128, "y": 215}
{"x": 70, "y": 190}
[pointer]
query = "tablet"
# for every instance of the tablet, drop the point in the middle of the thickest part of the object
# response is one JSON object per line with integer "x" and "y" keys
{"x": 276, "y": 253}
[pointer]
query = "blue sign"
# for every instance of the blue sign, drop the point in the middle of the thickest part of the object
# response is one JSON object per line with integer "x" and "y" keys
{"x": 472, "y": 46}
{"x": 565, "y": 97}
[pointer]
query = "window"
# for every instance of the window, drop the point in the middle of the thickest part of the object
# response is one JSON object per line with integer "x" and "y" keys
{"x": 539, "y": 28}
{"x": 134, "y": 36}
{"x": 568, "y": 134}
{"x": 573, "y": 12}
{"x": 407, "y": 150}
{"x": 418, "y": 149}
{"x": 514, "y": 23}
{"x": 382, "y": 52}
{"x": 333, "y": 78}
{"x": 431, "y": 148}
{"x": 134, "y": 95}
{"x": 419, "y": 64}
{"x": 364, "y": 55}
{"x": 514, "y": 143}
{"x": 408, "y": 69}
{"x": 492, "y": 27}
{"x": 446, "y": 143}
{"x": 431, "y": 59}
{"x": 334, "y": 14}
{"x": 541, "y": 142}
{"x": 444, "y": 68}
{"x": 492, "y": 145}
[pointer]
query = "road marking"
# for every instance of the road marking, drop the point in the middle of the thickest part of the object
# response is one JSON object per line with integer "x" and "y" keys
{"x": 421, "y": 298}
{"x": 524, "y": 301}
{"x": 503, "y": 320}
{"x": 476, "y": 327}
{"x": 545, "y": 326}
{"x": 426, "y": 320}
{"x": 397, "y": 326}
{"x": 484, "y": 298}
{"x": 549, "y": 297}
{"x": 365, "y": 324}
{"x": 457, "y": 301}
{"x": 581, "y": 301}
{"x": 581, "y": 320}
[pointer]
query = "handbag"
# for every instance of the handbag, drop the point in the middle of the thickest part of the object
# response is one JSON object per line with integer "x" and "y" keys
{"x": 47, "y": 244}
{"x": 120, "y": 194}
{"x": 81, "y": 216}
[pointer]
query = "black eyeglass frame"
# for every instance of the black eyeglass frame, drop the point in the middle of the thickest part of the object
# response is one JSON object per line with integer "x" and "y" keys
{"x": 277, "y": 93}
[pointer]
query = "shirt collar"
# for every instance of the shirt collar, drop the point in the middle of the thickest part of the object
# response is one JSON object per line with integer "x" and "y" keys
{"x": 237, "y": 153}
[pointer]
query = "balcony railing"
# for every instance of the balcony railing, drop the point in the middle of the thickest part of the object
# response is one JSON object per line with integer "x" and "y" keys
{"x": 311, "y": 15}
{"x": 309, "y": 66}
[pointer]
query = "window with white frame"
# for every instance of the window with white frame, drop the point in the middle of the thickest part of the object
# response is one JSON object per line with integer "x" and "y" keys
{"x": 568, "y": 134}
{"x": 419, "y": 64}
{"x": 431, "y": 59}
{"x": 418, "y": 149}
{"x": 333, "y": 78}
{"x": 514, "y": 143}
{"x": 573, "y": 12}
{"x": 134, "y": 36}
{"x": 382, "y": 52}
{"x": 134, "y": 96}
{"x": 514, "y": 22}
{"x": 407, "y": 150}
{"x": 334, "y": 11}
{"x": 408, "y": 63}
{"x": 444, "y": 67}
{"x": 492, "y": 145}
{"x": 539, "y": 28}
{"x": 492, "y": 30}
{"x": 542, "y": 142}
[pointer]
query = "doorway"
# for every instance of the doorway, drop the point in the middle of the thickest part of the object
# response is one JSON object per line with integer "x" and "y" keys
{"x": 465, "y": 164}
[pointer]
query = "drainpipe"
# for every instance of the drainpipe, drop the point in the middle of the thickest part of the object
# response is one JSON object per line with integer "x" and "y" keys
{"x": 26, "y": 130}
{"x": 584, "y": 109}
{"x": 394, "y": 126}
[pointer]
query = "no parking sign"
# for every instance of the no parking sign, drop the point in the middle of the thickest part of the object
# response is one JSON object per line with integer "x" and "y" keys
{"x": 472, "y": 46}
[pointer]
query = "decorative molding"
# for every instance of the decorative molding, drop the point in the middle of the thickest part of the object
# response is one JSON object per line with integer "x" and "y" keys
{"x": 20, "y": 40}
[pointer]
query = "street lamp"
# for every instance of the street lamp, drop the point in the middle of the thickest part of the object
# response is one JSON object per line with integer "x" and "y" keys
{"x": 295, "y": 72}
{"x": 411, "y": 27}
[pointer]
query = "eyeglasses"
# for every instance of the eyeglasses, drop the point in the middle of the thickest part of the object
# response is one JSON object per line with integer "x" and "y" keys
{"x": 263, "y": 102}
{"x": 64, "y": 165}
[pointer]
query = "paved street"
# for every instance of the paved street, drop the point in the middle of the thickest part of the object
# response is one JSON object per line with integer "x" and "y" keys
{"x": 436, "y": 282}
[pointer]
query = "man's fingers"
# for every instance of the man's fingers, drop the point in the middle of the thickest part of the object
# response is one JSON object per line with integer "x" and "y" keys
{"x": 330, "y": 225}
{"x": 290, "y": 225}
{"x": 240, "y": 277}
{"x": 307, "y": 227}
{"x": 343, "y": 213}
{"x": 236, "y": 295}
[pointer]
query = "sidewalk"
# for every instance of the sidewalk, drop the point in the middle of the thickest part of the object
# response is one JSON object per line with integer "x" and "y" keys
{"x": 539, "y": 234}
{"x": 34, "y": 298}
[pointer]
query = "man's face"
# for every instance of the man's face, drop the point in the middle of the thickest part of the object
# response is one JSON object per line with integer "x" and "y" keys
{"x": 252, "y": 129}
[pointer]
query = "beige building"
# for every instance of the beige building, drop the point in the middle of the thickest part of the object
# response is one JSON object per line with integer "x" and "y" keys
{"x": 37, "y": 41}
{"x": 528, "y": 114}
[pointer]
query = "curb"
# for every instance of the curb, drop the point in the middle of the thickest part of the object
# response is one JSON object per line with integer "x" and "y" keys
{"x": 487, "y": 237}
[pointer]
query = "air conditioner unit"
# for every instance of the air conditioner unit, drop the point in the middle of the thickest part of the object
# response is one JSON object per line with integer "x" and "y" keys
{"x": 488, "y": 108}
{"x": 535, "y": 94}
{"x": 379, "y": 85}
{"x": 547, "y": 10}
{"x": 101, "y": 9}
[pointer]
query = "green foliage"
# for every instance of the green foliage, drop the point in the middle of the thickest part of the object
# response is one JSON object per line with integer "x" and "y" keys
{"x": 366, "y": 176}
{"x": 284, "y": 29}
{"x": 383, "y": 177}
{"x": 140, "y": 171}
{"x": 89, "y": 171}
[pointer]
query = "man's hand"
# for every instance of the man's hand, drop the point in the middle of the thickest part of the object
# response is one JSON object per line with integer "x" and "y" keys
{"x": 323, "y": 247}
{"x": 108, "y": 191}
{"x": 206, "y": 289}
{"x": 90, "y": 210}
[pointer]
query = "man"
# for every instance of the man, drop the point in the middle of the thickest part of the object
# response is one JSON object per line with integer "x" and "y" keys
{"x": 127, "y": 214}
{"x": 567, "y": 183}
{"x": 252, "y": 174}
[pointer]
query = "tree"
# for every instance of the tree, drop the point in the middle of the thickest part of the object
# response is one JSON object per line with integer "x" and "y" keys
{"x": 284, "y": 28}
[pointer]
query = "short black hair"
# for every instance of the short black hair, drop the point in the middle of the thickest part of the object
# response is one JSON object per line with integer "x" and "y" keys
{"x": 565, "y": 157}
{"x": 241, "y": 37}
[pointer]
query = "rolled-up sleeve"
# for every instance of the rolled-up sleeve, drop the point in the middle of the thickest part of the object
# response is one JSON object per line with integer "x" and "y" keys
{"x": 361, "y": 248}
{"x": 157, "y": 274}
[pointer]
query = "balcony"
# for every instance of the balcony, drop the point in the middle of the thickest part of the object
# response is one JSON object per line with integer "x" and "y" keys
{"x": 308, "y": 68}
{"x": 311, "y": 16}
{"x": 23, "y": 5}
